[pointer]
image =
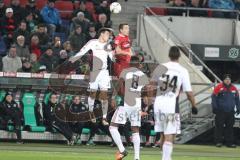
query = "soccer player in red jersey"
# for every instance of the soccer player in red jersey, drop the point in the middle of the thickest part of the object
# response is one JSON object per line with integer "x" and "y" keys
{"x": 123, "y": 49}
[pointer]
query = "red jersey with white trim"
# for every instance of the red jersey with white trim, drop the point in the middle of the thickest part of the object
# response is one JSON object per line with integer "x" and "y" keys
{"x": 122, "y": 61}
{"x": 125, "y": 44}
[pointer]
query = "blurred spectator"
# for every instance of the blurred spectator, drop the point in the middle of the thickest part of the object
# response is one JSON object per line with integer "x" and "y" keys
{"x": 177, "y": 3}
{"x": 78, "y": 107}
{"x": 68, "y": 48}
{"x": 77, "y": 39}
{"x": 22, "y": 49}
{"x": 97, "y": 126}
{"x": 223, "y": 4}
{"x": 26, "y": 66}
{"x": 8, "y": 25}
{"x": 63, "y": 56}
{"x": 42, "y": 69}
{"x": 11, "y": 111}
{"x": 31, "y": 23}
{"x": 49, "y": 60}
{"x": 91, "y": 34}
{"x": 80, "y": 20}
{"x": 198, "y": 4}
{"x": 103, "y": 22}
{"x": 82, "y": 8}
{"x": 51, "y": 17}
{"x": 57, "y": 45}
{"x": 2, "y": 8}
{"x": 147, "y": 120}
{"x": 42, "y": 35}
{"x": 34, "y": 62}
{"x": 103, "y": 8}
{"x": 51, "y": 121}
{"x": 31, "y": 8}
{"x": 225, "y": 98}
{"x": 35, "y": 47}
{"x": 11, "y": 62}
{"x": 19, "y": 12}
{"x": 22, "y": 30}
{"x": 237, "y": 4}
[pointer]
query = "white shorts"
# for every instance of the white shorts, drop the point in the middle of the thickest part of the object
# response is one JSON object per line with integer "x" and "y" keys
{"x": 124, "y": 113}
{"x": 168, "y": 123}
{"x": 100, "y": 80}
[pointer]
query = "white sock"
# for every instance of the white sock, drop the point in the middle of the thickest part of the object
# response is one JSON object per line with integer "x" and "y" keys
{"x": 117, "y": 138}
{"x": 104, "y": 108}
{"x": 167, "y": 150}
{"x": 136, "y": 145}
{"x": 91, "y": 103}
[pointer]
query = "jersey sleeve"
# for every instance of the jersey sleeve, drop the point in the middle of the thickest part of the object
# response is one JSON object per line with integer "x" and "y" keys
{"x": 186, "y": 85}
{"x": 84, "y": 49}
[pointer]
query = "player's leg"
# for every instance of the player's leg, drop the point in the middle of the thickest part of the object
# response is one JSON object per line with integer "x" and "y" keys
{"x": 103, "y": 97}
{"x": 135, "y": 119}
{"x": 119, "y": 117}
{"x": 161, "y": 141}
{"x": 91, "y": 99}
{"x": 171, "y": 128}
{"x": 167, "y": 147}
{"x": 136, "y": 142}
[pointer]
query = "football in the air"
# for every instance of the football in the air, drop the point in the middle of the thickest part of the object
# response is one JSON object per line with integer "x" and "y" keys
{"x": 115, "y": 7}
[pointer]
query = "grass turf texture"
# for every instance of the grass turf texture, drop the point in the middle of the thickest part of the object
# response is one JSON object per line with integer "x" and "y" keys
{"x": 36, "y": 151}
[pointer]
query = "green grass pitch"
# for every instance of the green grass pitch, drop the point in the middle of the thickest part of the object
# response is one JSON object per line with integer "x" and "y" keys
{"x": 37, "y": 151}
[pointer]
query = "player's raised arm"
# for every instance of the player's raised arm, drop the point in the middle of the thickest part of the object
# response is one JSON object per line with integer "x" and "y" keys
{"x": 83, "y": 51}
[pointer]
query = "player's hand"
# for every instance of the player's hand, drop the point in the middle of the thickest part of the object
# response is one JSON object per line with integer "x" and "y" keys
{"x": 194, "y": 110}
{"x": 72, "y": 59}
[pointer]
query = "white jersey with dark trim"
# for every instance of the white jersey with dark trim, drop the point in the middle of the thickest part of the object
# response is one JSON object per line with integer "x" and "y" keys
{"x": 134, "y": 80}
{"x": 169, "y": 86}
{"x": 100, "y": 54}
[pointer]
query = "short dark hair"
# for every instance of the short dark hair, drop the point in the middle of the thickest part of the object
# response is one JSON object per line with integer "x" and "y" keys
{"x": 174, "y": 53}
{"x": 41, "y": 25}
{"x": 122, "y": 25}
{"x": 22, "y": 21}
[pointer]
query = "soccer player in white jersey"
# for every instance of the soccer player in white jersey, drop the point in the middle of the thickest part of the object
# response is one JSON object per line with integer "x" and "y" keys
{"x": 169, "y": 82}
{"x": 99, "y": 76}
{"x": 133, "y": 79}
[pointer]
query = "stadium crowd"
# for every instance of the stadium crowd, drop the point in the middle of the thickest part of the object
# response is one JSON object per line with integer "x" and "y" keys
{"x": 213, "y": 4}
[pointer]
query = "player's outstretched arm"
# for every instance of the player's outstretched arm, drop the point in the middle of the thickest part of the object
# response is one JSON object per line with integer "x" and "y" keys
{"x": 83, "y": 51}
